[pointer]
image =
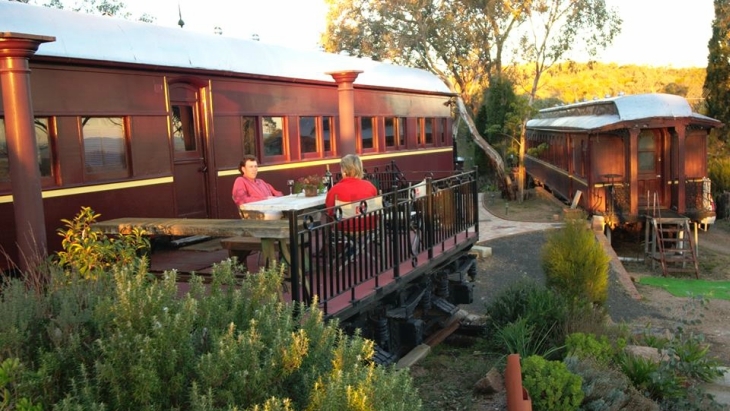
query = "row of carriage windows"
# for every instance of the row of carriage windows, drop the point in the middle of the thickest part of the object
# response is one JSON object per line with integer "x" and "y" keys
{"x": 105, "y": 150}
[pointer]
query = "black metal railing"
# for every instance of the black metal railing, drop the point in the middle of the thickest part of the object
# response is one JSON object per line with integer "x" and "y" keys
{"x": 338, "y": 258}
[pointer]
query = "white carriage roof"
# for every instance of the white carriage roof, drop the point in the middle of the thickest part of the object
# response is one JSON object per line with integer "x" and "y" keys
{"x": 618, "y": 112}
{"x": 100, "y": 38}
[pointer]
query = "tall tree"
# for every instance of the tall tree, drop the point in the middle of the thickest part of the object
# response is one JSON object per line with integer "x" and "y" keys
{"x": 717, "y": 82}
{"x": 461, "y": 41}
{"x": 464, "y": 41}
{"x": 554, "y": 29}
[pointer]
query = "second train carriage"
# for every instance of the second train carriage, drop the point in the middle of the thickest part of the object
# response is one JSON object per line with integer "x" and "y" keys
{"x": 137, "y": 119}
{"x": 628, "y": 156}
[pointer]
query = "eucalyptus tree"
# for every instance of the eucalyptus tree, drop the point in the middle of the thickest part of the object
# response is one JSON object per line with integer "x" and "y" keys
{"x": 716, "y": 89}
{"x": 467, "y": 42}
{"x": 553, "y": 30}
{"x": 461, "y": 41}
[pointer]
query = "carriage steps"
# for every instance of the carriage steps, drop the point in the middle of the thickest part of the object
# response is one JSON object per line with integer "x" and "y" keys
{"x": 670, "y": 243}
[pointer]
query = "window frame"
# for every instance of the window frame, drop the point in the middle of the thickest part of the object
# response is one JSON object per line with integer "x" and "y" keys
{"x": 101, "y": 174}
{"x": 284, "y": 140}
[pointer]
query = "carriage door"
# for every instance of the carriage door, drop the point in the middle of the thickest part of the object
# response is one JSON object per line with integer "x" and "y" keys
{"x": 189, "y": 163}
{"x": 649, "y": 176}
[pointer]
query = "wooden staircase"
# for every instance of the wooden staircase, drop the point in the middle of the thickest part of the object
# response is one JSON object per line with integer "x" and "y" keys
{"x": 671, "y": 245}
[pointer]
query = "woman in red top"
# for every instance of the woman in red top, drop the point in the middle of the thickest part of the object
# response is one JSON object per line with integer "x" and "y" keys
{"x": 352, "y": 187}
{"x": 248, "y": 188}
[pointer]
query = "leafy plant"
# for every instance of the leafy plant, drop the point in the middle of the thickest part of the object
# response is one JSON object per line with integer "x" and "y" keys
{"x": 519, "y": 337}
{"x": 90, "y": 251}
{"x": 538, "y": 309}
{"x": 607, "y": 388}
{"x": 129, "y": 341}
{"x": 550, "y": 385}
{"x": 589, "y": 346}
{"x": 575, "y": 264}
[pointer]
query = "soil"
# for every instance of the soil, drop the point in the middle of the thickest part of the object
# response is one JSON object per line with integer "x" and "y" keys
{"x": 447, "y": 376}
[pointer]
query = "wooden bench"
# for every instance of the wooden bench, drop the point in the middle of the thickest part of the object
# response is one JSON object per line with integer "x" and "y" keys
{"x": 242, "y": 247}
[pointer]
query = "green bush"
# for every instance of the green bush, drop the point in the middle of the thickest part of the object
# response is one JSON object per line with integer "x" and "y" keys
{"x": 575, "y": 264}
{"x": 91, "y": 252}
{"x": 589, "y": 346}
{"x": 718, "y": 169}
{"x": 550, "y": 385}
{"x": 606, "y": 388}
{"x": 519, "y": 337}
{"x": 540, "y": 312}
{"x": 125, "y": 340}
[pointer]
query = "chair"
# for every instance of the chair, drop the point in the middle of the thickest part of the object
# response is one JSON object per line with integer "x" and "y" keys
{"x": 358, "y": 225}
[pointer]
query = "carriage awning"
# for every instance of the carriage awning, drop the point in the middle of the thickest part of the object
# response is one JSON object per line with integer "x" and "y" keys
{"x": 619, "y": 112}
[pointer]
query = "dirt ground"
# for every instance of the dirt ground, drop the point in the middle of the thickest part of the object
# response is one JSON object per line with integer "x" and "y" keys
{"x": 447, "y": 376}
{"x": 709, "y": 317}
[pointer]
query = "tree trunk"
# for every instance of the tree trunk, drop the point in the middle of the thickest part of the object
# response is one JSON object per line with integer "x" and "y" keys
{"x": 480, "y": 141}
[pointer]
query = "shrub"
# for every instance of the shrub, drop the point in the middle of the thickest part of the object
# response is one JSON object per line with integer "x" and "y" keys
{"x": 519, "y": 337}
{"x": 606, "y": 388}
{"x": 718, "y": 169}
{"x": 91, "y": 252}
{"x": 589, "y": 346}
{"x": 541, "y": 311}
{"x": 550, "y": 385}
{"x": 575, "y": 264}
{"x": 128, "y": 341}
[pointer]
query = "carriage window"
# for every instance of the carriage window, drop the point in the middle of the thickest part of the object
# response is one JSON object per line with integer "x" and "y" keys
{"x": 427, "y": 131}
{"x": 183, "y": 128}
{"x": 308, "y": 134}
{"x": 328, "y": 124}
{"x": 43, "y": 145}
{"x": 105, "y": 148}
{"x": 366, "y": 132}
{"x": 248, "y": 134}
{"x": 394, "y": 131}
{"x": 273, "y": 135}
{"x": 647, "y": 153}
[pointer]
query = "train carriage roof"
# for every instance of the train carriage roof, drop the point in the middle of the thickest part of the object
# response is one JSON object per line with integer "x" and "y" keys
{"x": 617, "y": 113}
{"x": 109, "y": 39}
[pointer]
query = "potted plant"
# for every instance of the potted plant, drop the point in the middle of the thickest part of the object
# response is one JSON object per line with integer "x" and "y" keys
{"x": 311, "y": 185}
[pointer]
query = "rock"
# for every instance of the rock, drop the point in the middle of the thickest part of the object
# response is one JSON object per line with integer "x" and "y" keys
{"x": 650, "y": 353}
{"x": 490, "y": 383}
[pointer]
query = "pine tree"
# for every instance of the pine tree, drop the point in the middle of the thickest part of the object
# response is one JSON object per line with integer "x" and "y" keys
{"x": 717, "y": 82}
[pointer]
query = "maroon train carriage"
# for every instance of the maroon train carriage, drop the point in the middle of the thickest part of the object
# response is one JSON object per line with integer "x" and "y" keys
{"x": 137, "y": 120}
{"x": 629, "y": 157}
{"x": 134, "y": 119}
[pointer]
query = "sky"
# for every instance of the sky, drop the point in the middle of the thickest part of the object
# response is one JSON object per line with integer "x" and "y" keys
{"x": 654, "y": 32}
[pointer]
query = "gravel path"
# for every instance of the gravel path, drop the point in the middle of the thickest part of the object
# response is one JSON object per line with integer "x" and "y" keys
{"x": 517, "y": 255}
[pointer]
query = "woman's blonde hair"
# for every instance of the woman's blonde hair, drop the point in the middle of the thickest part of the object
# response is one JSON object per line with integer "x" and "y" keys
{"x": 351, "y": 166}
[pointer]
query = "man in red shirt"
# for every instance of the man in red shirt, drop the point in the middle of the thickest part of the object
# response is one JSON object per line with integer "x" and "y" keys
{"x": 248, "y": 188}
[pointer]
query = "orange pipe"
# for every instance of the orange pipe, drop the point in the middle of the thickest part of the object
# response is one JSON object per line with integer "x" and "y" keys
{"x": 518, "y": 399}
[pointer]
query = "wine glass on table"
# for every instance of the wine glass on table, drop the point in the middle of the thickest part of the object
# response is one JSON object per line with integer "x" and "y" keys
{"x": 290, "y": 183}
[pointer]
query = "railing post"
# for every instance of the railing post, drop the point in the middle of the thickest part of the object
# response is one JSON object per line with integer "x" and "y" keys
{"x": 395, "y": 232}
{"x": 294, "y": 255}
{"x": 428, "y": 221}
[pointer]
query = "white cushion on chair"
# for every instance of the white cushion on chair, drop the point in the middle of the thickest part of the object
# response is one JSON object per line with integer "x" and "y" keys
{"x": 351, "y": 209}
{"x": 419, "y": 189}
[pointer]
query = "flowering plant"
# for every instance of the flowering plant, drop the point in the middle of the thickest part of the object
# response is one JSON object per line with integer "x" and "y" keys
{"x": 313, "y": 181}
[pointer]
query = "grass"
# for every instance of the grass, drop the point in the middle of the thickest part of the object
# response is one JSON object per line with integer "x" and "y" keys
{"x": 690, "y": 287}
